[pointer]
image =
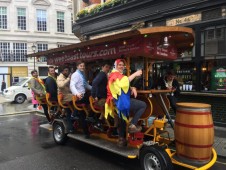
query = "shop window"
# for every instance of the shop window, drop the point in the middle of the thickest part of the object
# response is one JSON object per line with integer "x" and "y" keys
{"x": 213, "y": 77}
{"x": 210, "y": 34}
{"x": 185, "y": 74}
{"x": 219, "y": 33}
{"x": 211, "y": 14}
{"x": 214, "y": 41}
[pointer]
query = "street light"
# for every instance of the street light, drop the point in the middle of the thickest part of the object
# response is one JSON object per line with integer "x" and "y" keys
{"x": 33, "y": 47}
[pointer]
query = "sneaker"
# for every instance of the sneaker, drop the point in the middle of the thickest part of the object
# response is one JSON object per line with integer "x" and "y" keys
{"x": 90, "y": 119}
{"x": 74, "y": 117}
{"x": 99, "y": 126}
{"x": 71, "y": 131}
{"x": 87, "y": 136}
{"x": 114, "y": 132}
{"x": 133, "y": 128}
{"x": 122, "y": 142}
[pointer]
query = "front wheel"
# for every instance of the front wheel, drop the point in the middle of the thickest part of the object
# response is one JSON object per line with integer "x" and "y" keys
{"x": 155, "y": 158}
{"x": 20, "y": 98}
{"x": 59, "y": 135}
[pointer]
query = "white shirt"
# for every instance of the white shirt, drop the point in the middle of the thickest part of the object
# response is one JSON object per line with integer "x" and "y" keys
{"x": 77, "y": 84}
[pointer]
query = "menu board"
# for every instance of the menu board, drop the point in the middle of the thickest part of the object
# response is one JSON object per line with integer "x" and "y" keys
{"x": 218, "y": 82}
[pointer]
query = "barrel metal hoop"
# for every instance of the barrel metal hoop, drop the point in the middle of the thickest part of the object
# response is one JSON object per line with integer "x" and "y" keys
{"x": 194, "y": 112}
{"x": 194, "y": 126}
{"x": 194, "y": 146}
{"x": 207, "y": 158}
{"x": 182, "y": 109}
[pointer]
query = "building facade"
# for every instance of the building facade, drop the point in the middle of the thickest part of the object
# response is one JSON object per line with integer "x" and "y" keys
{"x": 201, "y": 71}
{"x": 28, "y": 26}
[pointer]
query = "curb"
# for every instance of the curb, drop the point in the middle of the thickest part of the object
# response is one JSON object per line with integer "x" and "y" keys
{"x": 18, "y": 113}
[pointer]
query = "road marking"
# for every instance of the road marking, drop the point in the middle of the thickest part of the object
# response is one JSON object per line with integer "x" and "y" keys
{"x": 46, "y": 126}
{"x": 8, "y": 115}
{"x": 221, "y": 162}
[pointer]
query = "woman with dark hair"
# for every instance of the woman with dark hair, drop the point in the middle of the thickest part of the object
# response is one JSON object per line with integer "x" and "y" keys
{"x": 170, "y": 83}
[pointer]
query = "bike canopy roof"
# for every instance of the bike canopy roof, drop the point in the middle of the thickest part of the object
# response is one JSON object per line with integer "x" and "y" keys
{"x": 157, "y": 43}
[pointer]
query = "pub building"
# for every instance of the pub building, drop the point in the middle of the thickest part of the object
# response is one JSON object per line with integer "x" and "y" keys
{"x": 201, "y": 71}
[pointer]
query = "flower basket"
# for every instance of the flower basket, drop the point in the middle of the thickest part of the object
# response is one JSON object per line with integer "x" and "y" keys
{"x": 82, "y": 13}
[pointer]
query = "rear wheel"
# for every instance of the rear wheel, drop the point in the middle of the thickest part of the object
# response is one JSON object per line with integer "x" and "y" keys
{"x": 59, "y": 134}
{"x": 155, "y": 158}
{"x": 20, "y": 98}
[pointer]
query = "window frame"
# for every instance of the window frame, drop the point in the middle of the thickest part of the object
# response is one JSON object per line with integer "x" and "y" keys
{"x": 6, "y": 24}
{"x": 42, "y": 45}
{"x": 60, "y": 23}
{"x": 26, "y": 18}
{"x": 46, "y": 25}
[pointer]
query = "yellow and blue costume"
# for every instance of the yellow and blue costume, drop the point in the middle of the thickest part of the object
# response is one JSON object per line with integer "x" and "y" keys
{"x": 118, "y": 95}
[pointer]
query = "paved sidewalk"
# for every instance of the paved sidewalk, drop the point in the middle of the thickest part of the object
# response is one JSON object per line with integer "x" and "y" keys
{"x": 219, "y": 139}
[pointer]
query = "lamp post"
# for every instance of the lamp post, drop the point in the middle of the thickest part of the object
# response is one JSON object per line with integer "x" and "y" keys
{"x": 34, "y": 49}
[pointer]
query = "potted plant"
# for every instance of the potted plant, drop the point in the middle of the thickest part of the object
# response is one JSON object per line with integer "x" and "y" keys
{"x": 96, "y": 9}
{"x": 82, "y": 13}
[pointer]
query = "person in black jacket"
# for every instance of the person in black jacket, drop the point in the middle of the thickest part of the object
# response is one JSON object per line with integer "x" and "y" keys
{"x": 3, "y": 86}
{"x": 99, "y": 88}
{"x": 170, "y": 83}
{"x": 99, "y": 85}
{"x": 51, "y": 85}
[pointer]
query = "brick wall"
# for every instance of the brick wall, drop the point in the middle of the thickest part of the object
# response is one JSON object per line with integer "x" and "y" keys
{"x": 218, "y": 106}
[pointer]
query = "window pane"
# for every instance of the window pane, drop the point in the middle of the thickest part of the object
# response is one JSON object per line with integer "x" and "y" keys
{"x": 41, "y": 20}
{"x": 60, "y": 21}
{"x": 3, "y": 18}
{"x": 42, "y": 47}
{"x": 21, "y": 18}
{"x": 19, "y": 52}
{"x": 4, "y": 51}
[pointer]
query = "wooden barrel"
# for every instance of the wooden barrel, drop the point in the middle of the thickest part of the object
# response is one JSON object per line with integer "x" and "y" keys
{"x": 194, "y": 132}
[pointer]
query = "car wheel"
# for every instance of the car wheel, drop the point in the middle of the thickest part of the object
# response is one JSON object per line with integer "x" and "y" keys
{"x": 59, "y": 135}
{"x": 20, "y": 98}
{"x": 155, "y": 158}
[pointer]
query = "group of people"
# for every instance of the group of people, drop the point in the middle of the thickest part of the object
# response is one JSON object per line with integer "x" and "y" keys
{"x": 111, "y": 91}
{"x": 75, "y": 84}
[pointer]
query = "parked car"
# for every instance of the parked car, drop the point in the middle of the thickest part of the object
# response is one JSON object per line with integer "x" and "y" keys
{"x": 19, "y": 92}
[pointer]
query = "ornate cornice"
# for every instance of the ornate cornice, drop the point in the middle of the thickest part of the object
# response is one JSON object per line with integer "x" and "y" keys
{"x": 41, "y": 2}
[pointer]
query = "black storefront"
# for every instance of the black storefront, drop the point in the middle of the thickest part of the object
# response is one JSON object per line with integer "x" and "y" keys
{"x": 202, "y": 71}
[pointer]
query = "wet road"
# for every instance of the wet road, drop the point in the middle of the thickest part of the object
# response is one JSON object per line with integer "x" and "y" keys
{"x": 11, "y": 107}
{"x": 25, "y": 146}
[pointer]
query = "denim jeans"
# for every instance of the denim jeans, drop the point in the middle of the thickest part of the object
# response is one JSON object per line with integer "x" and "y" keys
{"x": 173, "y": 101}
{"x": 68, "y": 117}
{"x": 137, "y": 107}
{"x": 45, "y": 108}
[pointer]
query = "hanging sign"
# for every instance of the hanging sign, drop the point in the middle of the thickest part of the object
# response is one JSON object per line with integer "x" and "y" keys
{"x": 139, "y": 46}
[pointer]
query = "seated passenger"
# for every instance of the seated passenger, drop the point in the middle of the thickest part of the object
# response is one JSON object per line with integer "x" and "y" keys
{"x": 38, "y": 87}
{"x": 168, "y": 82}
{"x": 99, "y": 90}
{"x": 63, "y": 82}
{"x": 51, "y": 86}
{"x": 78, "y": 86}
{"x": 119, "y": 91}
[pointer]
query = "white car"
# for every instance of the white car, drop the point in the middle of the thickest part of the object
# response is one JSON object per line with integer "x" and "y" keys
{"x": 18, "y": 92}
